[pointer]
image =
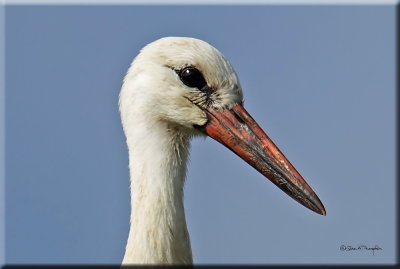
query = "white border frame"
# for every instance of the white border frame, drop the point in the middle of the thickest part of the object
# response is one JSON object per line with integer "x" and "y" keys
{"x": 203, "y": 2}
{"x": 3, "y": 4}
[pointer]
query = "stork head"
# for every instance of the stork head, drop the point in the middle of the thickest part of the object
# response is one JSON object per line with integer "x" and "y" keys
{"x": 176, "y": 79}
{"x": 187, "y": 83}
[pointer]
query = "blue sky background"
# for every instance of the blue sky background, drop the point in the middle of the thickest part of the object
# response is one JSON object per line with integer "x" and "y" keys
{"x": 318, "y": 79}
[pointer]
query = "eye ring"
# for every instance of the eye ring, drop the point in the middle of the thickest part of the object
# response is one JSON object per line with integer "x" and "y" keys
{"x": 192, "y": 77}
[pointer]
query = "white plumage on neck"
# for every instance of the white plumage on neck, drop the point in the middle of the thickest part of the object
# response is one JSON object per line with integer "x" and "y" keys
{"x": 158, "y": 232}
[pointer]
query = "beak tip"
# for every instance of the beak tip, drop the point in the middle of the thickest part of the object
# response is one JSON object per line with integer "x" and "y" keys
{"x": 320, "y": 209}
{"x": 323, "y": 212}
{"x": 315, "y": 204}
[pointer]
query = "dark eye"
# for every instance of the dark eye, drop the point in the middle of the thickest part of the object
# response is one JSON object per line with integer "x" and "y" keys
{"x": 192, "y": 77}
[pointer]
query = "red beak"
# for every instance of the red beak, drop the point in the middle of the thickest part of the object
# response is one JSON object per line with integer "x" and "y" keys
{"x": 238, "y": 131}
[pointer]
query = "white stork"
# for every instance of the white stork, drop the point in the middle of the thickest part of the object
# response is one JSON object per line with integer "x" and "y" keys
{"x": 175, "y": 89}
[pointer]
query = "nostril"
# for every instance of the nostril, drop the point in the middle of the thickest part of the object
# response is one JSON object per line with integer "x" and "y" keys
{"x": 237, "y": 116}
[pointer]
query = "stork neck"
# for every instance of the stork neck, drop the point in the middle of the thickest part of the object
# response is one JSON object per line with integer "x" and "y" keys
{"x": 157, "y": 161}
